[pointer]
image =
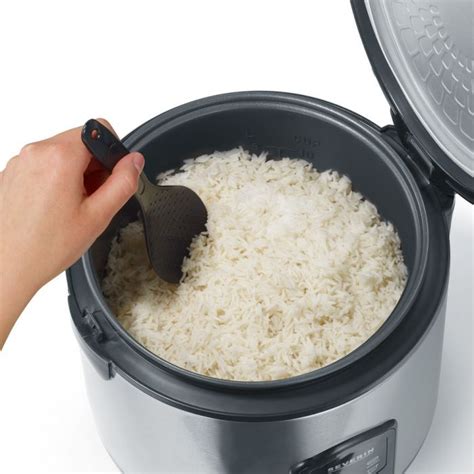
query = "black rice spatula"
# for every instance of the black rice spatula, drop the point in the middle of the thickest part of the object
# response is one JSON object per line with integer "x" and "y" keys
{"x": 171, "y": 215}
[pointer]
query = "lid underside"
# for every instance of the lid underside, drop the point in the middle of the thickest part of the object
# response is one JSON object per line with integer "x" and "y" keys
{"x": 429, "y": 48}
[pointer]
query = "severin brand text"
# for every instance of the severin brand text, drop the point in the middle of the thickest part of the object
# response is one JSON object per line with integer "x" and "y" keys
{"x": 352, "y": 460}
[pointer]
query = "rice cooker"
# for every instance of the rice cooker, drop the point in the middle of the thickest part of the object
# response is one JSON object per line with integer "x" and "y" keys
{"x": 370, "y": 411}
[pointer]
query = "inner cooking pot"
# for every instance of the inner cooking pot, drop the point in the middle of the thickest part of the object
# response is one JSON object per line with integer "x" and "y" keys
{"x": 284, "y": 125}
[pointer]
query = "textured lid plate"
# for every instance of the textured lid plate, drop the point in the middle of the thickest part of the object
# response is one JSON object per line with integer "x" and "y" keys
{"x": 428, "y": 46}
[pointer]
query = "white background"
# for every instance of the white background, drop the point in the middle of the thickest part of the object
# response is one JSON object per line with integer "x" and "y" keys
{"x": 64, "y": 62}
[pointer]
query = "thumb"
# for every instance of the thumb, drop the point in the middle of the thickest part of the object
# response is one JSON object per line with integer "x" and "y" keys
{"x": 118, "y": 188}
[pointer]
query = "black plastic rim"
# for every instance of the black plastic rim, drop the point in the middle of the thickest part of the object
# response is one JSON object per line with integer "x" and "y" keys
{"x": 416, "y": 280}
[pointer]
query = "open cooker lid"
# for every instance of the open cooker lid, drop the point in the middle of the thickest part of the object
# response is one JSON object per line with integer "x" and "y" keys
{"x": 422, "y": 53}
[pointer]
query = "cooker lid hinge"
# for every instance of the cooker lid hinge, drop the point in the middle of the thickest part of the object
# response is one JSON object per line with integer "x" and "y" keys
{"x": 414, "y": 151}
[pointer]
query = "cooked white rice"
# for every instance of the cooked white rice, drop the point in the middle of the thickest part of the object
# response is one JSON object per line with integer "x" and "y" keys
{"x": 297, "y": 270}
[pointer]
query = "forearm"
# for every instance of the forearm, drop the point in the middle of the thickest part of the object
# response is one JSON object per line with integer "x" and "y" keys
{"x": 15, "y": 292}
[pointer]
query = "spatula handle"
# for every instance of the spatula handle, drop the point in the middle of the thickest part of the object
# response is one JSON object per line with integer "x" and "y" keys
{"x": 103, "y": 144}
{"x": 109, "y": 150}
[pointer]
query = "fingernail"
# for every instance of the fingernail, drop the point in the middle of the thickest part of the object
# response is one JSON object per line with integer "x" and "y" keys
{"x": 138, "y": 162}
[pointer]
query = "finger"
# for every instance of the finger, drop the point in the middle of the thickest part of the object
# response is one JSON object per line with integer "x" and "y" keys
{"x": 74, "y": 150}
{"x": 119, "y": 187}
{"x": 10, "y": 164}
{"x": 12, "y": 161}
{"x": 65, "y": 151}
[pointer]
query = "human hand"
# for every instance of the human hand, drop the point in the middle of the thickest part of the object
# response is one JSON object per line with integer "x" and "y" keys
{"x": 55, "y": 200}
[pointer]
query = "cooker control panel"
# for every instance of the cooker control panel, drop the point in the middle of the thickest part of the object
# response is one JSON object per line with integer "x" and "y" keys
{"x": 372, "y": 452}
